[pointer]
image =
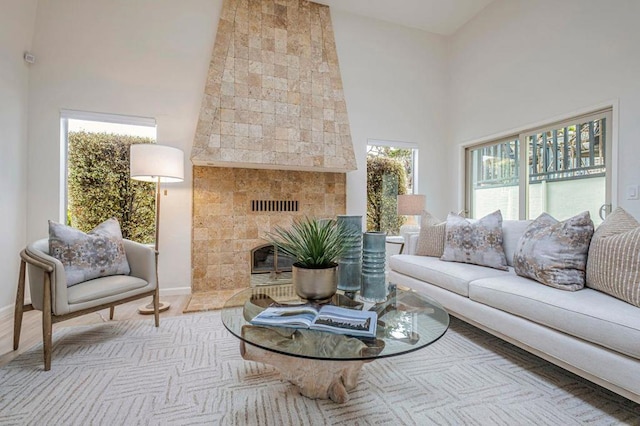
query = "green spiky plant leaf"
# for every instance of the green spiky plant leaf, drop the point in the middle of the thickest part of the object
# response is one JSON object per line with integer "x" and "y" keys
{"x": 313, "y": 243}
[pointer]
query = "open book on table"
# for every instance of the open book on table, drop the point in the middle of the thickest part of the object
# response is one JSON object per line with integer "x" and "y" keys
{"x": 326, "y": 318}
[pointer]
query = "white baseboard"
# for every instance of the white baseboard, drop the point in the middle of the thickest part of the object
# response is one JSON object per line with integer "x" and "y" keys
{"x": 6, "y": 313}
{"x": 174, "y": 291}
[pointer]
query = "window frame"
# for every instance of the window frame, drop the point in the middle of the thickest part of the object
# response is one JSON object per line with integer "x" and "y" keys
{"x": 388, "y": 202}
{"x": 468, "y": 159}
{"x": 606, "y": 111}
{"x": 402, "y": 145}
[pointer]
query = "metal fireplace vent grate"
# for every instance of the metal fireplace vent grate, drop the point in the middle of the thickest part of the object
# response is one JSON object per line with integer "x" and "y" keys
{"x": 274, "y": 206}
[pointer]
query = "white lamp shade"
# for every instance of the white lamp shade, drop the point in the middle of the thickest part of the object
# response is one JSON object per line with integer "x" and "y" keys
{"x": 411, "y": 204}
{"x": 150, "y": 161}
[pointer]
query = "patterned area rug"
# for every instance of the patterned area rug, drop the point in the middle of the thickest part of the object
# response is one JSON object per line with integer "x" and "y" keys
{"x": 189, "y": 371}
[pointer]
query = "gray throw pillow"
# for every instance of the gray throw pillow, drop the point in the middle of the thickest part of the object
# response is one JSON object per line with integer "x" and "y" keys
{"x": 555, "y": 253}
{"x": 478, "y": 242}
{"x": 613, "y": 265}
{"x": 431, "y": 238}
{"x": 87, "y": 256}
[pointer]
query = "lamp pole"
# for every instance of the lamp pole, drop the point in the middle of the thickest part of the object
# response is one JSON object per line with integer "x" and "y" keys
{"x": 162, "y": 306}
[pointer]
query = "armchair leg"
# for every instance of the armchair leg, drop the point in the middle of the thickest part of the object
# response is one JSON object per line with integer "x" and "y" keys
{"x": 156, "y": 306}
{"x": 112, "y": 311}
{"x": 46, "y": 321}
{"x": 19, "y": 309}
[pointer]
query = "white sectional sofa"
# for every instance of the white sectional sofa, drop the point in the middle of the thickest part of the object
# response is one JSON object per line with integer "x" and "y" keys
{"x": 587, "y": 332}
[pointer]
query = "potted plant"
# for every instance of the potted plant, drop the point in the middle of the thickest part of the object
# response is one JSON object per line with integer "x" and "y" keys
{"x": 316, "y": 245}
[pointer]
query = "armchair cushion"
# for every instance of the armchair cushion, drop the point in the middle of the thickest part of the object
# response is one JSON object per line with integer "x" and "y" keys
{"x": 99, "y": 253}
{"x": 100, "y": 288}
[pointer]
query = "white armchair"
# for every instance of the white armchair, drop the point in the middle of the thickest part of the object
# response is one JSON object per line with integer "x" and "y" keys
{"x": 50, "y": 294}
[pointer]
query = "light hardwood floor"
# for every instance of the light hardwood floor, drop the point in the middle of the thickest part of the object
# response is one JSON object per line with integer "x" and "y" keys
{"x": 32, "y": 324}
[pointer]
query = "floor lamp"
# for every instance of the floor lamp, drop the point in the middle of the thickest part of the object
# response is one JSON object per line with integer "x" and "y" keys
{"x": 150, "y": 162}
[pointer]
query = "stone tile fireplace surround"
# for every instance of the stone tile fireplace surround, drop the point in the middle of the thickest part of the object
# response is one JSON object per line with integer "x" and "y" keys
{"x": 225, "y": 228}
{"x": 273, "y": 126}
{"x": 273, "y": 97}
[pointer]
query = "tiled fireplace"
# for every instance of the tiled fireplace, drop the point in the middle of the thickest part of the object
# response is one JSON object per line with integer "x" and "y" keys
{"x": 273, "y": 134}
{"x": 226, "y": 229}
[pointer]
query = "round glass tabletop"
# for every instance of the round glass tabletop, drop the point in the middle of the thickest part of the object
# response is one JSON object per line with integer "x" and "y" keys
{"x": 407, "y": 321}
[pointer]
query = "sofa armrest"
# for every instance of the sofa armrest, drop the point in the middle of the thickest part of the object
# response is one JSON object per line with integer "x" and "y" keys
{"x": 410, "y": 243}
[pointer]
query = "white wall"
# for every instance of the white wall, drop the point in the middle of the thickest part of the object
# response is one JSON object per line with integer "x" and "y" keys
{"x": 16, "y": 29}
{"x": 144, "y": 58}
{"x": 521, "y": 62}
{"x": 394, "y": 81}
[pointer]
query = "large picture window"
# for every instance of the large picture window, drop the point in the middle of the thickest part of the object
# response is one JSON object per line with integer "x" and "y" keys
{"x": 96, "y": 173}
{"x": 566, "y": 171}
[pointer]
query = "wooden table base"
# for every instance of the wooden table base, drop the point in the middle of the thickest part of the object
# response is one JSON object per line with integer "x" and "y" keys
{"x": 316, "y": 379}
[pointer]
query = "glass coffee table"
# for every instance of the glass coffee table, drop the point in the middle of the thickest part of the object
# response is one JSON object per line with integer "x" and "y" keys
{"x": 326, "y": 365}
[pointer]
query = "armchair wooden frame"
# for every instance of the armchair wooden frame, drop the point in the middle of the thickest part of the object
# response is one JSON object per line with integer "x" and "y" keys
{"x": 48, "y": 318}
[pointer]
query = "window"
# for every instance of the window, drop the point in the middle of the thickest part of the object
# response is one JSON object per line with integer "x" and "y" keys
{"x": 566, "y": 171}
{"x": 96, "y": 173}
{"x": 391, "y": 170}
{"x": 494, "y": 174}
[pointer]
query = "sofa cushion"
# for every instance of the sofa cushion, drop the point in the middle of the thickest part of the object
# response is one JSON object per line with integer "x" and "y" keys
{"x": 431, "y": 237}
{"x": 98, "y": 253}
{"x": 512, "y": 230}
{"x": 478, "y": 242}
{"x": 451, "y": 276}
{"x": 587, "y": 314}
{"x": 555, "y": 253}
{"x": 613, "y": 265}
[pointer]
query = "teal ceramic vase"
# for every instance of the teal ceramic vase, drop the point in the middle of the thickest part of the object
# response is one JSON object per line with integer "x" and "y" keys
{"x": 350, "y": 264}
{"x": 373, "y": 287}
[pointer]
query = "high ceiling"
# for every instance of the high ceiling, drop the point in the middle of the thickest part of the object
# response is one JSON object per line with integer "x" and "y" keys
{"x": 436, "y": 16}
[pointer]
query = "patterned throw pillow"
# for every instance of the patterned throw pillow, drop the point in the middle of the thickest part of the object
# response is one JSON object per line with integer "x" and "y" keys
{"x": 431, "y": 238}
{"x": 555, "y": 253}
{"x": 86, "y": 256}
{"x": 613, "y": 265}
{"x": 478, "y": 242}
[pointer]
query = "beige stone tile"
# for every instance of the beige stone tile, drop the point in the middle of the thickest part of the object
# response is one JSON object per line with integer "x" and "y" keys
{"x": 241, "y": 104}
{"x": 227, "y": 88}
{"x": 227, "y": 101}
{"x": 227, "y": 115}
{"x": 255, "y": 130}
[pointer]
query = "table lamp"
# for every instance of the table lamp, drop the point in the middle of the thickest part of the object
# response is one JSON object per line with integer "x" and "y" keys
{"x": 150, "y": 162}
{"x": 410, "y": 205}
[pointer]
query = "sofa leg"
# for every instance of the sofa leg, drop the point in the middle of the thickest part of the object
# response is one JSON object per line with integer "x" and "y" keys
{"x": 112, "y": 311}
{"x": 19, "y": 309}
{"x": 46, "y": 321}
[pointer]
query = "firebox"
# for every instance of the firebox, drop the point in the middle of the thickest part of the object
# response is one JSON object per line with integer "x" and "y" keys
{"x": 266, "y": 259}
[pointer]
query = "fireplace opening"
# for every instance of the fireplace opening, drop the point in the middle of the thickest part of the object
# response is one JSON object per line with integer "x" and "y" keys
{"x": 270, "y": 266}
{"x": 266, "y": 259}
